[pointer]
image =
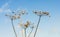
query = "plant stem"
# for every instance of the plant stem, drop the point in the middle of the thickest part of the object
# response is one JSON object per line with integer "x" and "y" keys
{"x": 25, "y": 32}
{"x": 13, "y": 27}
{"x": 22, "y": 33}
{"x": 30, "y": 33}
{"x": 37, "y": 26}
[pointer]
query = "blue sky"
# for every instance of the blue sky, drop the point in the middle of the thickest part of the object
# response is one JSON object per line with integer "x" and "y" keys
{"x": 49, "y": 27}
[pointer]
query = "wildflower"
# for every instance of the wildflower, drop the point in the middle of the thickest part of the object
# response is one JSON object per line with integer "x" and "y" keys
{"x": 27, "y": 24}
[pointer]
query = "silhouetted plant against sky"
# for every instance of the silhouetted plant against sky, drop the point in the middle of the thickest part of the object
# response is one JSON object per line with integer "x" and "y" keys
{"x": 17, "y": 15}
{"x": 14, "y": 16}
{"x": 40, "y": 14}
{"x": 27, "y": 25}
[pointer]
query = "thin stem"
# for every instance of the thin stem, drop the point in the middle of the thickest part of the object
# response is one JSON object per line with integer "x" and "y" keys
{"x": 22, "y": 33}
{"x": 13, "y": 28}
{"x": 25, "y": 32}
{"x": 30, "y": 33}
{"x": 37, "y": 26}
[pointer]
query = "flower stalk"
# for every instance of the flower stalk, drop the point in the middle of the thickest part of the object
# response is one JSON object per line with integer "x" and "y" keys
{"x": 37, "y": 26}
{"x": 13, "y": 27}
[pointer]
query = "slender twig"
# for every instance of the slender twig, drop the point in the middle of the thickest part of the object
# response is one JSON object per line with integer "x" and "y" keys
{"x": 30, "y": 33}
{"x": 22, "y": 33}
{"x": 37, "y": 26}
{"x": 13, "y": 27}
{"x": 25, "y": 31}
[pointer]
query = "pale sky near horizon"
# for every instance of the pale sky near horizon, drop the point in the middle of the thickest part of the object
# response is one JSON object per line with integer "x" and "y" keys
{"x": 48, "y": 27}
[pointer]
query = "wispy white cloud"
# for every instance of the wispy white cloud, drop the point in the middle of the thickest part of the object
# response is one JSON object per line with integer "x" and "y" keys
{"x": 5, "y": 5}
{"x": 5, "y": 8}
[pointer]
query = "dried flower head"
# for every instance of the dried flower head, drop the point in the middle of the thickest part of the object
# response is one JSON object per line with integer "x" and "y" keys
{"x": 41, "y": 13}
{"x": 46, "y": 13}
{"x": 27, "y": 24}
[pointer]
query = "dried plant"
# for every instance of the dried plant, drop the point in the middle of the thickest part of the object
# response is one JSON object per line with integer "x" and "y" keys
{"x": 27, "y": 25}
{"x": 40, "y": 13}
{"x": 15, "y": 16}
